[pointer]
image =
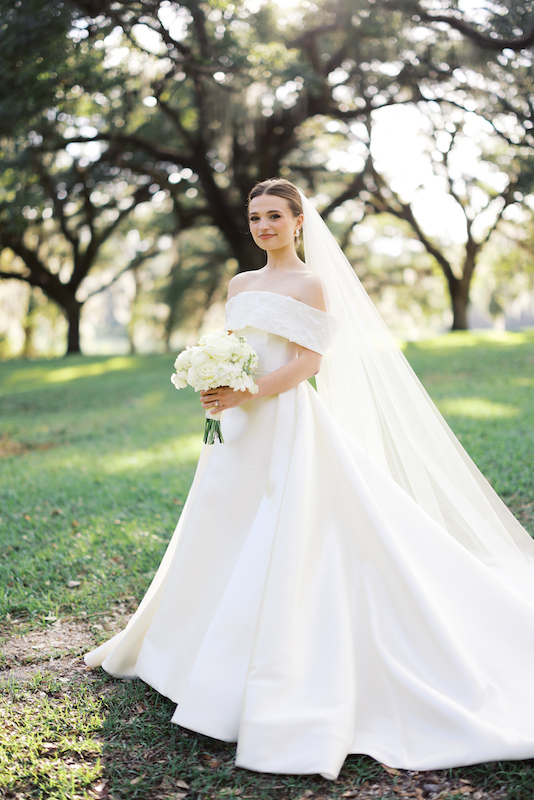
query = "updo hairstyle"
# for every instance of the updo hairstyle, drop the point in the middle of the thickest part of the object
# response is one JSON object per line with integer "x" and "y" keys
{"x": 281, "y": 188}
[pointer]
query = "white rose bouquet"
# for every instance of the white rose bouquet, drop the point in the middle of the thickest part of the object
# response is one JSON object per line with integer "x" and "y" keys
{"x": 219, "y": 359}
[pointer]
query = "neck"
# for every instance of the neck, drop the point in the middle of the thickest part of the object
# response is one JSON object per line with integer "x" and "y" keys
{"x": 283, "y": 258}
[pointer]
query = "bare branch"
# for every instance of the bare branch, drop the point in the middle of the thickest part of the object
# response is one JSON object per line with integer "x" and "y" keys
{"x": 482, "y": 40}
{"x": 133, "y": 264}
{"x": 159, "y": 151}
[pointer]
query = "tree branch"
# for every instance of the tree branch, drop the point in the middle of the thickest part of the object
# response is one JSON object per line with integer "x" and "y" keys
{"x": 133, "y": 264}
{"x": 159, "y": 151}
{"x": 482, "y": 40}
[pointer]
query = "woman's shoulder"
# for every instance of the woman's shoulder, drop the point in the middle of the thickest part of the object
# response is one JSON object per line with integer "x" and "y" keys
{"x": 309, "y": 290}
{"x": 302, "y": 285}
{"x": 239, "y": 283}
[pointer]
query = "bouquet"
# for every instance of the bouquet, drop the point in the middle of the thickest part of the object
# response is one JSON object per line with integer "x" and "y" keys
{"x": 219, "y": 359}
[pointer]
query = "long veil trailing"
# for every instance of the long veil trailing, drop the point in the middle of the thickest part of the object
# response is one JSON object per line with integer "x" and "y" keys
{"x": 372, "y": 391}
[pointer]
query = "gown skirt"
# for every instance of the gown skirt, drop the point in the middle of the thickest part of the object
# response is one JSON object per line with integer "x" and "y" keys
{"x": 307, "y": 607}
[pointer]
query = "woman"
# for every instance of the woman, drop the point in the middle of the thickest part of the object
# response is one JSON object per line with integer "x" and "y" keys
{"x": 342, "y": 578}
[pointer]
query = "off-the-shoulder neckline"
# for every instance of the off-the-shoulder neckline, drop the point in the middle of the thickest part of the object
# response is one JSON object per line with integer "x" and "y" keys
{"x": 277, "y": 294}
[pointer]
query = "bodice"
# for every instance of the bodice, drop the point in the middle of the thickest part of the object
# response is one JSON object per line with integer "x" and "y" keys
{"x": 282, "y": 316}
{"x": 274, "y": 324}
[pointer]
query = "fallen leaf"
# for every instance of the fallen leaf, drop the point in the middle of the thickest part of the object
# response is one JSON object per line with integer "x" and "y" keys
{"x": 139, "y": 778}
{"x": 466, "y": 789}
{"x": 390, "y": 770}
{"x": 27, "y": 516}
{"x": 117, "y": 522}
{"x": 182, "y": 785}
{"x": 141, "y": 707}
{"x": 75, "y": 523}
{"x": 100, "y": 790}
{"x": 73, "y": 584}
{"x": 55, "y": 512}
{"x": 350, "y": 793}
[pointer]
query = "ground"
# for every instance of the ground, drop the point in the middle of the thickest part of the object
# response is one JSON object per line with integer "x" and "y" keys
{"x": 96, "y": 457}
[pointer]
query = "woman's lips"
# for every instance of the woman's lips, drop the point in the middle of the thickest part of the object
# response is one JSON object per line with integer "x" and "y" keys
{"x": 266, "y": 235}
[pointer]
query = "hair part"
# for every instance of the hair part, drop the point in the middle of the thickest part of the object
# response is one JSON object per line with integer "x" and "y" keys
{"x": 279, "y": 187}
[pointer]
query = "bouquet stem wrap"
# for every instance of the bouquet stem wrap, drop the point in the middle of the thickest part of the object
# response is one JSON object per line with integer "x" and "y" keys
{"x": 212, "y": 428}
{"x": 219, "y": 359}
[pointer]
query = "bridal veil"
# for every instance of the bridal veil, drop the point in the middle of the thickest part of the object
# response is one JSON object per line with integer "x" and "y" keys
{"x": 371, "y": 390}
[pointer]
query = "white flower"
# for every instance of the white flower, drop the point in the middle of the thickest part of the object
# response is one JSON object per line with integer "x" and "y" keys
{"x": 220, "y": 359}
{"x": 179, "y": 381}
{"x": 198, "y": 357}
{"x": 219, "y": 345}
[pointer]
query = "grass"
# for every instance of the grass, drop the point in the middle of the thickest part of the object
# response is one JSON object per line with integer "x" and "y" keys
{"x": 98, "y": 455}
{"x": 484, "y": 386}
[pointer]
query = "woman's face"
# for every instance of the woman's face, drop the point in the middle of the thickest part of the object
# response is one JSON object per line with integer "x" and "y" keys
{"x": 272, "y": 223}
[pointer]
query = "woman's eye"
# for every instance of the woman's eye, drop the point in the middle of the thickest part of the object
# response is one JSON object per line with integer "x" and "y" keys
{"x": 275, "y": 216}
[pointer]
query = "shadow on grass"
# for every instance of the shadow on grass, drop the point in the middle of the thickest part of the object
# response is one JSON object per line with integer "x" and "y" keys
{"x": 138, "y": 722}
{"x": 84, "y": 734}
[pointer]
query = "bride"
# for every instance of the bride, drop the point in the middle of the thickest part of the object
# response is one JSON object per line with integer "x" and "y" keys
{"x": 342, "y": 578}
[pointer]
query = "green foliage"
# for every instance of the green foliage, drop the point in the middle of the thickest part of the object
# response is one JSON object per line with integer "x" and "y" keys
{"x": 29, "y": 84}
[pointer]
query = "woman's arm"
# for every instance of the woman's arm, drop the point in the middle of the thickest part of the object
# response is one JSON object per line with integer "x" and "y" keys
{"x": 299, "y": 369}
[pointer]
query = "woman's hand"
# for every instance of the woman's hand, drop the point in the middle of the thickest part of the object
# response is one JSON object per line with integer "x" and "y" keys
{"x": 222, "y": 398}
{"x": 281, "y": 380}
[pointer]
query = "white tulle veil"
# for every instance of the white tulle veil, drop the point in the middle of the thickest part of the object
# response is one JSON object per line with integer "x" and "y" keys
{"x": 372, "y": 391}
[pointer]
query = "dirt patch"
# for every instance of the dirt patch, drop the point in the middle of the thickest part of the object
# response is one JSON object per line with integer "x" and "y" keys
{"x": 10, "y": 447}
{"x": 66, "y": 669}
{"x": 62, "y": 638}
{"x": 59, "y": 639}
{"x": 421, "y": 786}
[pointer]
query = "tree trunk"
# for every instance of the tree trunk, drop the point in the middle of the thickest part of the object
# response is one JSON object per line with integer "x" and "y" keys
{"x": 460, "y": 304}
{"x": 248, "y": 254}
{"x": 73, "y": 313}
{"x": 27, "y": 350}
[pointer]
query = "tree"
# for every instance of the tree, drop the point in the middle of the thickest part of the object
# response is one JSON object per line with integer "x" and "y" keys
{"x": 57, "y": 215}
{"x": 508, "y": 24}
{"x": 231, "y": 90}
{"x": 203, "y": 99}
{"x": 481, "y": 192}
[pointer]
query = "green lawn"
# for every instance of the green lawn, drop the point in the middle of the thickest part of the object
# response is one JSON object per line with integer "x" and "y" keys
{"x": 97, "y": 457}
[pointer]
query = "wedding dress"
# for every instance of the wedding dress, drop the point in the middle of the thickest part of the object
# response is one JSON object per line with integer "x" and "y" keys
{"x": 312, "y": 604}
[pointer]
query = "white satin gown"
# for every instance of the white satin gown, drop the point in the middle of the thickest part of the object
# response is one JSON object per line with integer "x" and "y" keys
{"x": 308, "y": 608}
